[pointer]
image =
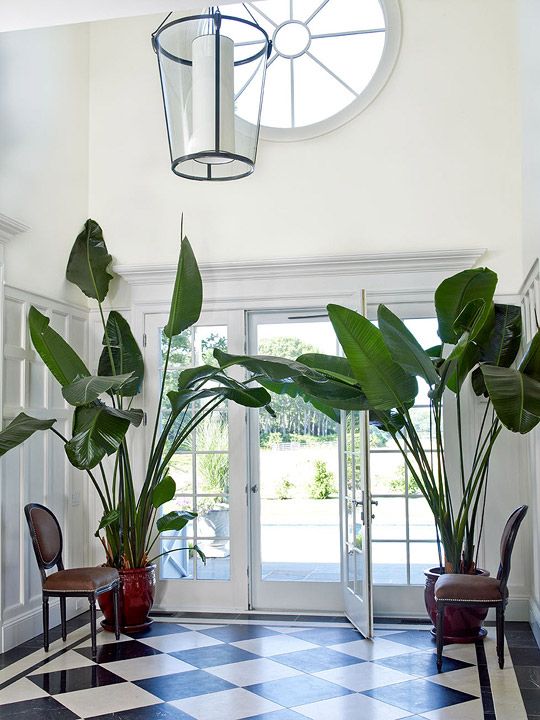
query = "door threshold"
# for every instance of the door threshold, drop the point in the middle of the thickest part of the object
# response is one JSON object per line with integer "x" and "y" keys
{"x": 254, "y": 616}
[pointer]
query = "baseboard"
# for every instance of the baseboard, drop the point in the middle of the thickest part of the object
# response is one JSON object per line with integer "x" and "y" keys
{"x": 29, "y": 624}
{"x": 534, "y": 618}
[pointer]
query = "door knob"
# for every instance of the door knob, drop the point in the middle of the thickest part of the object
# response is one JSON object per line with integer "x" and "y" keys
{"x": 254, "y": 488}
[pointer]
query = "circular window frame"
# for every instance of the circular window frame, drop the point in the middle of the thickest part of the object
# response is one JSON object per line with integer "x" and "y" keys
{"x": 392, "y": 45}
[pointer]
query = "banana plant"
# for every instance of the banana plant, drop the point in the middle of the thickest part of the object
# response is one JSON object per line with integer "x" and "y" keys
{"x": 480, "y": 343}
{"x": 133, "y": 516}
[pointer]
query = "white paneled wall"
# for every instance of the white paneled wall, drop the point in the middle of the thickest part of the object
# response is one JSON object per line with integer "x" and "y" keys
{"x": 38, "y": 471}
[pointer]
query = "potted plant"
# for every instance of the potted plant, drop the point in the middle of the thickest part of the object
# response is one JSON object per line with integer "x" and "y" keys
{"x": 133, "y": 518}
{"x": 480, "y": 341}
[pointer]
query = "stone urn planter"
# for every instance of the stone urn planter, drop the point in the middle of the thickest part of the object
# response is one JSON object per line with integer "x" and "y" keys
{"x": 461, "y": 624}
{"x": 137, "y": 587}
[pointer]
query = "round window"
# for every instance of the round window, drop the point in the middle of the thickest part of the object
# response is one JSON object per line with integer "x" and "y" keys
{"x": 330, "y": 59}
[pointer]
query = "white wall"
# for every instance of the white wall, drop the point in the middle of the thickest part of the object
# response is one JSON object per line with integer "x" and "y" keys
{"x": 44, "y": 151}
{"x": 433, "y": 163}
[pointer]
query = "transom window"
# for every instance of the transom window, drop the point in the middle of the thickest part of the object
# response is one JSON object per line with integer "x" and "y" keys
{"x": 329, "y": 59}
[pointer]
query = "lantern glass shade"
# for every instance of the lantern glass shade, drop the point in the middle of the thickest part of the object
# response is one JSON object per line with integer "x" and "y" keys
{"x": 212, "y": 69}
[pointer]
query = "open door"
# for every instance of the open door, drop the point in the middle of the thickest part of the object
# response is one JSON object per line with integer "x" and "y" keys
{"x": 357, "y": 515}
{"x": 356, "y": 508}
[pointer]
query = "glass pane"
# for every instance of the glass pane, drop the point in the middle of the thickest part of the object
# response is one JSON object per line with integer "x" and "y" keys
{"x": 349, "y": 469}
{"x": 311, "y": 83}
{"x": 336, "y": 54}
{"x": 421, "y": 417}
{"x": 216, "y": 568}
{"x": 351, "y": 568}
{"x": 213, "y": 473}
{"x": 421, "y": 524}
{"x": 213, "y": 432}
{"x": 350, "y": 430}
{"x": 389, "y": 563}
{"x": 387, "y": 472}
{"x": 389, "y": 522}
{"x": 181, "y": 470}
{"x": 213, "y": 518}
{"x": 359, "y": 587}
{"x": 277, "y": 109}
{"x": 381, "y": 440}
{"x": 350, "y": 523}
{"x": 206, "y": 340}
{"x": 180, "y": 503}
{"x": 179, "y": 563}
{"x": 342, "y": 15}
{"x": 299, "y": 469}
{"x": 423, "y": 556}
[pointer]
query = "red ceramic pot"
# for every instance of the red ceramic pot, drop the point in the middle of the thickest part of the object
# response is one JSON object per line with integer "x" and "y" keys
{"x": 137, "y": 587}
{"x": 461, "y": 624}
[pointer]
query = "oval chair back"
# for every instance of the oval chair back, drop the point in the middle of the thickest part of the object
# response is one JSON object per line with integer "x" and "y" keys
{"x": 508, "y": 539}
{"x": 46, "y": 537}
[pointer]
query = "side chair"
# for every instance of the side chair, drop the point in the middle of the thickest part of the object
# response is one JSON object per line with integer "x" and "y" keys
{"x": 79, "y": 582}
{"x": 479, "y": 590}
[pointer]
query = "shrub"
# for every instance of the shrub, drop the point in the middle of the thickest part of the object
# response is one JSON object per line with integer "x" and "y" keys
{"x": 284, "y": 491}
{"x": 323, "y": 485}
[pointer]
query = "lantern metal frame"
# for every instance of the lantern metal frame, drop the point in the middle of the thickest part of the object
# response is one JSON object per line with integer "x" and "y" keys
{"x": 216, "y": 17}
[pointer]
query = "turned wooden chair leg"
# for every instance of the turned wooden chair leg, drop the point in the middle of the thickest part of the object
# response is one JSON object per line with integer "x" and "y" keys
{"x": 116, "y": 594}
{"x": 440, "y": 635}
{"x": 93, "y": 629}
{"x": 46, "y": 623}
{"x": 500, "y": 634}
{"x": 63, "y": 617}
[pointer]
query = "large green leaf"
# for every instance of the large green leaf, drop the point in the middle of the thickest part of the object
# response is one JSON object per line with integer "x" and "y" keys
{"x": 385, "y": 383}
{"x": 108, "y": 518}
{"x": 164, "y": 491}
{"x": 502, "y": 344}
{"x": 126, "y": 354}
{"x": 20, "y": 429}
{"x": 456, "y": 292}
{"x": 88, "y": 262}
{"x": 515, "y": 397}
{"x": 88, "y": 389}
{"x": 530, "y": 363}
{"x": 58, "y": 356}
{"x": 98, "y": 430}
{"x": 462, "y": 360}
{"x": 405, "y": 348}
{"x": 268, "y": 366}
{"x": 187, "y": 296}
{"x": 331, "y": 366}
{"x": 254, "y": 397}
{"x": 191, "y": 376}
{"x": 175, "y": 520}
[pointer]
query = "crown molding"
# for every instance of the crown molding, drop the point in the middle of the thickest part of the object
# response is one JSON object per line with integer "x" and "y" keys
{"x": 9, "y": 228}
{"x": 372, "y": 264}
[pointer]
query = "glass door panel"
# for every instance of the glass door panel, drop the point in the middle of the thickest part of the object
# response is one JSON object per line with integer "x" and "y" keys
{"x": 295, "y": 515}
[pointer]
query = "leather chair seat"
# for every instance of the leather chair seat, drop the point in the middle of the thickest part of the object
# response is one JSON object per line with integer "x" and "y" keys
{"x": 80, "y": 579}
{"x": 468, "y": 588}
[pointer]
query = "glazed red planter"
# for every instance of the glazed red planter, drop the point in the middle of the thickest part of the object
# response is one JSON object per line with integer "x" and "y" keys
{"x": 461, "y": 624}
{"x": 136, "y": 599}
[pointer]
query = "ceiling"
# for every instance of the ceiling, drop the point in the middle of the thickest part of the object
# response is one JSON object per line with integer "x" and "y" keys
{"x": 26, "y": 14}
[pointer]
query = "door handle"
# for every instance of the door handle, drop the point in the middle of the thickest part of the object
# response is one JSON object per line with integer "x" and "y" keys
{"x": 254, "y": 488}
{"x": 358, "y": 503}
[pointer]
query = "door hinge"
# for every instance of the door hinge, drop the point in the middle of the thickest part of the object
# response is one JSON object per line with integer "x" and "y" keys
{"x": 145, "y": 419}
{"x": 144, "y": 340}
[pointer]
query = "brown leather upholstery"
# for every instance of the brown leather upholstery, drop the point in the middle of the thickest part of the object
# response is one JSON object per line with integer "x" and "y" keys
{"x": 47, "y": 535}
{"x": 468, "y": 588}
{"x": 80, "y": 579}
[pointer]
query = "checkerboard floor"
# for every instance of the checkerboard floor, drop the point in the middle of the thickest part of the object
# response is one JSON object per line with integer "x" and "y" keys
{"x": 259, "y": 670}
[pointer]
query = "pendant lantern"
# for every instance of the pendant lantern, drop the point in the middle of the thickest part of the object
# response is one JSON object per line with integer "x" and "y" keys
{"x": 212, "y": 92}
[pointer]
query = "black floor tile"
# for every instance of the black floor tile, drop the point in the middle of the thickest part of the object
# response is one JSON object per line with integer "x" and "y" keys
{"x": 151, "y": 712}
{"x": 280, "y": 715}
{"x": 421, "y": 639}
{"x": 81, "y": 678}
{"x": 312, "y": 661}
{"x": 528, "y": 676}
{"x": 41, "y": 709}
{"x": 123, "y": 650}
{"x": 328, "y": 636}
{"x": 214, "y": 655}
{"x": 298, "y": 690}
{"x": 157, "y": 629}
{"x": 184, "y": 684}
{"x": 520, "y": 638}
{"x": 419, "y": 696}
{"x": 525, "y": 656}
{"x": 235, "y": 633}
{"x": 421, "y": 664}
{"x": 531, "y": 700}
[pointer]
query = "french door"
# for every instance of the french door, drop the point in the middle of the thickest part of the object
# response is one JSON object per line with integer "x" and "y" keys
{"x": 210, "y": 473}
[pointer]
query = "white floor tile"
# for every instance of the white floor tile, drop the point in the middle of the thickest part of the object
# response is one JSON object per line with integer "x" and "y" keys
{"x": 351, "y": 707}
{"x": 250, "y": 672}
{"x": 198, "y": 626}
{"x": 465, "y": 680}
{"x": 147, "y": 667}
{"x": 66, "y": 661}
{"x": 228, "y": 704}
{"x": 364, "y": 676}
{"x": 107, "y": 699}
{"x": 373, "y": 649}
{"x": 180, "y": 641}
{"x": 471, "y": 710}
{"x": 103, "y": 638}
{"x": 23, "y": 689}
{"x": 274, "y": 645}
